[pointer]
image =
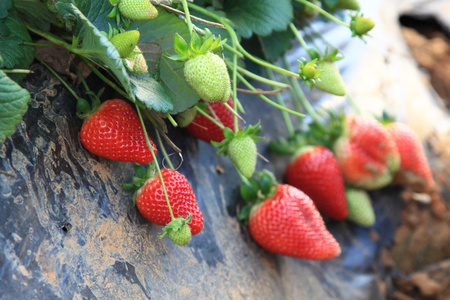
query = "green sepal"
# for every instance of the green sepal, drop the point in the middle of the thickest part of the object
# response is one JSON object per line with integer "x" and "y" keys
{"x": 140, "y": 171}
{"x": 249, "y": 190}
{"x": 244, "y": 213}
{"x": 113, "y": 12}
{"x": 289, "y": 146}
{"x": 180, "y": 46}
{"x": 313, "y": 53}
{"x": 129, "y": 187}
{"x": 83, "y": 108}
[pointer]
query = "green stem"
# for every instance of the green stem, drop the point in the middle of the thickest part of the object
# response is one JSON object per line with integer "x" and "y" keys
{"x": 150, "y": 146}
{"x": 55, "y": 40}
{"x": 298, "y": 36}
{"x": 234, "y": 51}
{"x": 204, "y": 113}
{"x": 323, "y": 12}
{"x": 187, "y": 17}
{"x": 280, "y": 107}
{"x": 17, "y": 71}
{"x": 163, "y": 149}
{"x": 286, "y": 118}
{"x": 38, "y": 44}
{"x": 106, "y": 80}
{"x": 57, "y": 76}
{"x": 294, "y": 97}
{"x": 172, "y": 120}
{"x": 234, "y": 82}
{"x": 261, "y": 79}
{"x": 301, "y": 96}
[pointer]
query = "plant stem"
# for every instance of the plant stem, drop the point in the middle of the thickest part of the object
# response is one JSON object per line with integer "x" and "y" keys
{"x": 287, "y": 120}
{"x": 156, "y": 162}
{"x": 353, "y": 104}
{"x": 301, "y": 96}
{"x": 188, "y": 17}
{"x": 261, "y": 79}
{"x": 323, "y": 12}
{"x": 172, "y": 120}
{"x": 280, "y": 107}
{"x": 163, "y": 149}
{"x": 17, "y": 71}
{"x": 59, "y": 77}
{"x": 298, "y": 36}
{"x": 204, "y": 113}
{"x": 38, "y": 44}
{"x": 106, "y": 80}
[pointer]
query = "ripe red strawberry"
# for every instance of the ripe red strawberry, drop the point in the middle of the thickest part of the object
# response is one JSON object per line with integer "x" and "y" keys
{"x": 207, "y": 74}
{"x": 366, "y": 153}
{"x": 288, "y": 223}
{"x": 138, "y": 9}
{"x": 315, "y": 171}
{"x": 152, "y": 203}
{"x": 204, "y": 129}
{"x": 414, "y": 168}
{"x": 115, "y": 132}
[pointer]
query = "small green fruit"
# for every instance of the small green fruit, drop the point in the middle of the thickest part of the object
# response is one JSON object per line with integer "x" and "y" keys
{"x": 242, "y": 151}
{"x": 360, "y": 209}
{"x": 330, "y": 80}
{"x": 208, "y": 76}
{"x": 137, "y": 9}
{"x": 125, "y": 42}
{"x": 181, "y": 236}
{"x": 309, "y": 71}
{"x": 363, "y": 25}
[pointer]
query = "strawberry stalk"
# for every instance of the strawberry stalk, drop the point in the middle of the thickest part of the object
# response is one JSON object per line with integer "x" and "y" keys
{"x": 187, "y": 17}
{"x": 263, "y": 79}
{"x": 323, "y": 12}
{"x": 156, "y": 162}
{"x": 287, "y": 120}
{"x": 163, "y": 149}
{"x": 214, "y": 120}
{"x": 280, "y": 107}
{"x": 17, "y": 71}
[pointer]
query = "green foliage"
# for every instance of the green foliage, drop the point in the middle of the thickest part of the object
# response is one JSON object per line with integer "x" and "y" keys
{"x": 13, "y": 105}
{"x": 151, "y": 93}
{"x": 259, "y": 17}
{"x": 36, "y": 13}
{"x": 276, "y": 44}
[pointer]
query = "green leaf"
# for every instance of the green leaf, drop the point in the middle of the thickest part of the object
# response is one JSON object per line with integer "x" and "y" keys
{"x": 151, "y": 93}
{"x": 276, "y": 44}
{"x": 13, "y": 105}
{"x": 96, "y": 46}
{"x": 35, "y": 13}
{"x": 260, "y": 17}
{"x": 13, "y": 53}
{"x": 7, "y": 4}
{"x": 180, "y": 45}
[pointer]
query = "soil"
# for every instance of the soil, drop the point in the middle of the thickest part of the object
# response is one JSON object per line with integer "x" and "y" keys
{"x": 421, "y": 249}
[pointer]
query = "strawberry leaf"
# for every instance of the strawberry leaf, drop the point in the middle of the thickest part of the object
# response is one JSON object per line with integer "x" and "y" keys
{"x": 151, "y": 93}
{"x": 13, "y": 54}
{"x": 276, "y": 44}
{"x": 260, "y": 17}
{"x": 13, "y": 105}
{"x": 97, "y": 47}
{"x": 35, "y": 13}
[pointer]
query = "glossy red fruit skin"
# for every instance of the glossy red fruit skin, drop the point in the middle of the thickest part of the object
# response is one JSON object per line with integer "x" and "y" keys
{"x": 152, "y": 204}
{"x": 412, "y": 154}
{"x": 289, "y": 224}
{"x": 316, "y": 172}
{"x": 205, "y": 130}
{"x": 366, "y": 153}
{"x": 115, "y": 132}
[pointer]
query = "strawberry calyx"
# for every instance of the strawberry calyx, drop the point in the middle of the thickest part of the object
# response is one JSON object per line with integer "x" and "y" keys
{"x": 197, "y": 46}
{"x": 386, "y": 118}
{"x": 142, "y": 174}
{"x": 308, "y": 71}
{"x": 255, "y": 191}
{"x": 178, "y": 231}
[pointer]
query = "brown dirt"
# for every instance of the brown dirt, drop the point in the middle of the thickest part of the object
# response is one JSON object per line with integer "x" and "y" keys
{"x": 421, "y": 249}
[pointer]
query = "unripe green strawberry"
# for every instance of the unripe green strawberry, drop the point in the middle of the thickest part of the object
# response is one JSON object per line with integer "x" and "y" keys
{"x": 136, "y": 63}
{"x": 137, "y": 9}
{"x": 207, "y": 74}
{"x": 360, "y": 208}
{"x": 330, "y": 79}
{"x": 242, "y": 151}
{"x": 181, "y": 236}
{"x": 125, "y": 42}
{"x": 309, "y": 71}
{"x": 363, "y": 25}
{"x": 348, "y": 4}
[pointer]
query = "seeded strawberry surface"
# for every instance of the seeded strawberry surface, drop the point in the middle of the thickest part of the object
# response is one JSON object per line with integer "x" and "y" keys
{"x": 367, "y": 155}
{"x": 182, "y": 236}
{"x": 242, "y": 151}
{"x": 289, "y": 224}
{"x": 204, "y": 129}
{"x": 152, "y": 204}
{"x": 412, "y": 155}
{"x": 207, "y": 74}
{"x": 360, "y": 209}
{"x": 316, "y": 172}
{"x": 115, "y": 132}
{"x": 125, "y": 42}
{"x": 138, "y": 9}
